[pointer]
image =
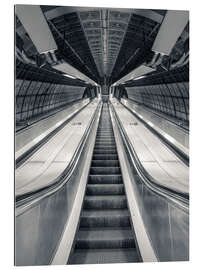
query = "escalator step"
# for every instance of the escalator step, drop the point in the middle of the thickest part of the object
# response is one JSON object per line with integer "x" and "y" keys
{"x": 105, "y": 163}
{"x": 105, "y": 170}
{"x": 105, "y": 151}
{"x": 105, "y": 202}
{"x": 105, "y": 234}
{"x": 102, "y": 256}
{"x": 105, "y": 179}
{"x": 105, "y": 218}
{"x": 105, "y": 157}
{"x": 105, "y": 189}
{"x": 105, "y": 238}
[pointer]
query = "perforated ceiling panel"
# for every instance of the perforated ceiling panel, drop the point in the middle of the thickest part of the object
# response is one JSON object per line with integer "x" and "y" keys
{"x": 104, "y": 30}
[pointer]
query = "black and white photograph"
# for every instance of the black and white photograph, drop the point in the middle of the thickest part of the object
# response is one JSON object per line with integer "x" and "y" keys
{"x": 102, "y": 124}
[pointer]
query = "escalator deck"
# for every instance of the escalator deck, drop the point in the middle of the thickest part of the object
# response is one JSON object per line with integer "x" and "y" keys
{"x": 105, "y": 234}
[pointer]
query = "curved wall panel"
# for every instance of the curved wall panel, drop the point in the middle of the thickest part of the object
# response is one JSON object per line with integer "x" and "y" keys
{"x": 171, "y": 99}
{"x": 35, "y": 98}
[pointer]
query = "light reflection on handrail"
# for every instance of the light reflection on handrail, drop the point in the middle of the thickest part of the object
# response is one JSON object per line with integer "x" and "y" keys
{"x": 26, "y": 200}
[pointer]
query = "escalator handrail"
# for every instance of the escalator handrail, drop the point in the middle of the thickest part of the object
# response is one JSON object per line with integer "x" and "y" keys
{"x": 40, "y": 193}
{"x": 177, "y": 197}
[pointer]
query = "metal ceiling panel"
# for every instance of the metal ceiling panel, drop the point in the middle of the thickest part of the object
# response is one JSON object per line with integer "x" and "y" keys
{"x": 33, "y": 20}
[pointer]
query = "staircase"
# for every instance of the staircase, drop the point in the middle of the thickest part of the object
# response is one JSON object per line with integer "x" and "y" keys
{"x": 105, "y": 234}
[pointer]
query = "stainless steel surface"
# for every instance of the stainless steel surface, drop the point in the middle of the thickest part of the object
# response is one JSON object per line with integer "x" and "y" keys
{"x": 157, "y": 159}
{"x": 171, "y": 28}
{"x": 29, "y": 136}
{"x": 32, "y": 18}
{"x": 39, "y": 229}
{"x": 167, "y": 223}
{"x": 46, "y": 165}
{"x": 177, "y": 134}
{"x": 102, "y": 226}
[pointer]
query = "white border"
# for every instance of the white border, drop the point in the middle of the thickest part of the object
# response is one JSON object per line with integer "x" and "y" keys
{"x": 6, "y": 140}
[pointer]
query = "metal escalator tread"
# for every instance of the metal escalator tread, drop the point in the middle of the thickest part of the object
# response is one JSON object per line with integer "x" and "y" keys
{"x": 105, "y": 234}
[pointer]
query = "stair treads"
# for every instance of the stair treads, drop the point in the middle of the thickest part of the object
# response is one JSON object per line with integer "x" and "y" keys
{"x": 105, "y": 170}
{"x": 105, "y": 189}
{"x": 105, "y": 218}
{"x": 99, "y": 256}
{"x": 105, "y": 202}
{"x": 105, "y": 147}
{"x": 105, "y": 179}
{"x": 107, "y": 143}
{"x": 105, "y": 238}
{"x": 105, "y": 234}
{"x": 105, "y": 163}
{"x": 105, "y": 151}
{"x": 105, "y": 157}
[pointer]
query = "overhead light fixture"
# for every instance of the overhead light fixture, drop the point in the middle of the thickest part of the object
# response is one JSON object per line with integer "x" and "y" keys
{"x": 140, "y": 77}
{"x": 69, "y": 76}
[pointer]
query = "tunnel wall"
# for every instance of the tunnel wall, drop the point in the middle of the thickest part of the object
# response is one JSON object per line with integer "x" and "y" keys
{"x": 36, "y": 98}
{"x": 171, "y": 99}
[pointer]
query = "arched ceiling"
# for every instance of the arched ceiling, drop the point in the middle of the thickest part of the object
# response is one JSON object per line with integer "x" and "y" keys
{"x": 102, "y": 43}
{"x": 105, "y": 44}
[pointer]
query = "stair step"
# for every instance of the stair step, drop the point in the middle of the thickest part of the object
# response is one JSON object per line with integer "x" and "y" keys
{"x": 105, "y": 234}
{"x": 105, "y": 202}
{"x": 105, "y": 179}
{"x": 105, "y": 163}
{"x": 105, "y": 157}
{"x": 106, "y": 133}
{"x": 107, "y": 143}
{"x": 105, "y": 238}
{"x": 102, "y": 256}
{"x": 105, "y": 136}
{"x": 104, "y": 146}
{"x": 105, "y": 151}
{"x": 105, "y": 189}
{"x": 105, "y": 218}
{"x": 105, "y": 170}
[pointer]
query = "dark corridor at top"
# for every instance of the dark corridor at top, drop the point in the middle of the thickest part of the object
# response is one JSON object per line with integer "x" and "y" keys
{"x": 102, "y": 131}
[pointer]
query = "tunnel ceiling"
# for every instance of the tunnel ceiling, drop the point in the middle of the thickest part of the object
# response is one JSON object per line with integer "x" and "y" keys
{"x": 105, "y": 44}
{"x": 102, "y": 43}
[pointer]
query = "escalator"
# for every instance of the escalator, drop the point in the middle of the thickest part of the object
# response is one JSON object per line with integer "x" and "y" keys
{"x": 105, "y": 234}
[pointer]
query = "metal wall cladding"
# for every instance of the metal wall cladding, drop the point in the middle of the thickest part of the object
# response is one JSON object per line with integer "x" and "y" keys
{"x": 171, "y": 99}
{"x": 35, "y": 98}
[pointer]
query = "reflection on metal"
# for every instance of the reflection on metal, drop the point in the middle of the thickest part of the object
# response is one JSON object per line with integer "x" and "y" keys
{"x": 66, "y": 242}
{"x": 170, "y": 30}
{"x": 144, "y": 243}
{"x": 135, "y": 74}
{"x": 171, "y": 99}
{"x": 36, "y": 26}
{"x": 45, "y": 219}
{"x": 69, "y": 70}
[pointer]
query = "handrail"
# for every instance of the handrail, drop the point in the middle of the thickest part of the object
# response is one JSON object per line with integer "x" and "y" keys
{"x": 21, "y": 159}
{"x": 44, "y": 116}
{"x": 182, "y": 128}
{"x": 177, "y": 197}
{"x": 38, "y": 194}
